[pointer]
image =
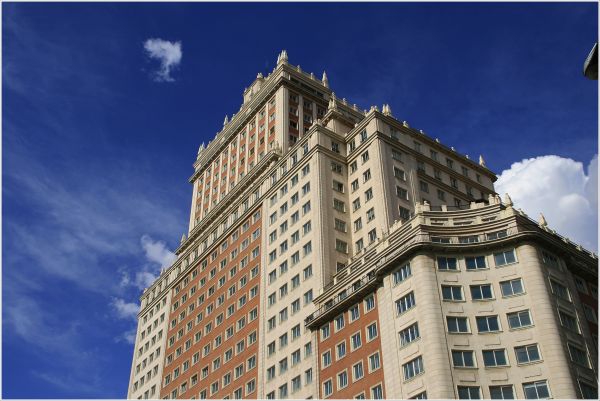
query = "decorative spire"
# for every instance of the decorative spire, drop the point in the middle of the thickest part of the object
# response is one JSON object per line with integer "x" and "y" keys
{"x": 312, "y": 75}
{"x": 183, "y": 238}
{"x": 200, "y": 149}
{"x": 325, "y": 80}
{"x": 437, "y": 140}
{"x": 467, "y": 156}
{"x": 481, "y": 161}
{"x": 507, "y": 200}
{"x": 282, "y": 58}
{"x": 226, "y": 120}
{"x": 542, "y": 221}
{"x": 405, "y": 124}
{"x": 259, "y": 75}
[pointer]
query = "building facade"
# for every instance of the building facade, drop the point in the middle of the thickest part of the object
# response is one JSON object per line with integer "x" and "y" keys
{"x": 334, "y": 252}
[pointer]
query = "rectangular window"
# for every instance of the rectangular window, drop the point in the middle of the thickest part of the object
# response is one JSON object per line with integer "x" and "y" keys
{"x": 447, "y": 263}
{"x": 578, "y": 355}
{"x": 355, "y": 341}
{"x": 463, "y": 359}
{"x": 505, "y": 258}
{"x": 512, "y": 287}
{"x": 469, "y": 393}
{"x": 536, "y": 390}
{"x": 481, "y": 292}
{"x": 452, "y": 293}
{"x": 402, "y": 274}
{"x": 409, "y": 334}
{"x": 457, "y": 324}
{"x": 372, "y": 331}
{"x": 377, "y": 392}
{"x": 527, "y": 354}
{"x": 568, "y": 321}
{"x": 502, "y": 392}
{"x": 475, "y": 262}
{"x": 342, "y": 380}
{"x": 405, "y": 303}
{"x": 493, "y": 358}
{"x": 327, "y": 388}
{"x": 519, "y": 319}
{"x": 560, "y": 290}
{"x": 413, "y": 368}
{"x": 487, "y": 324}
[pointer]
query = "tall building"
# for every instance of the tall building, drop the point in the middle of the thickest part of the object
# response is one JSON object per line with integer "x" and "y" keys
{"x": 334, "y": 252}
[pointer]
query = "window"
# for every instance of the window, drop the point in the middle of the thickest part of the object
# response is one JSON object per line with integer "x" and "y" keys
{"x": 405, "y": 303}
{"x": 308, "y": 376}
{"x": 339, "y": 322}
{"x": 496, "y": 357}
{"x": 413, "y": 368}
{"x": 370, "y": 214}
{"x": 400, "y": 174}
{"x": 588, "y": 392}
{"x": 409, "y": 334}
{"x": 283, "y": 365}
{"x": 372, "y": 331}
{"x": 481, "y": 292}
{"x": 475, "y": 262}
{"x": 578, "y": 355}
{"x": 372, "y": 235}
{"x": 307, "y": 272}
{"x": 527, "y": 354}
{"x": 340, "y": 225}
{"x": 342, "y": 379}
{"x": 355, "y": 341}
{"x": 326, "y": 358}
{"x": 589, "y": 313}
{"x": 367, "y": 175}
{"x": 338, "y": 186}
{"x": 339, "y": 205}
{"x": 369, "y": 303}
{"x": 519, "y": 319}
{"x": 354, "y": 185}
{"x": 441, "y": 194}
{"x": 560, "y": 290}
{"x": 457, "y": 324}
{"x": 536, "y": 390}
{"x": 336, "y": 168}
{"x": 355, "y": 204}
{"x": 447, "y": 263}
{"x": 363, "y": 136}
{"x": 512, "y": 287}
{"x": 327, "y": 388}
{"x": 463, "y": 359}
{"x": 496, "y": 235}
{"x": 468, "y": 393}
{"x": 452, "y": 293}
{"x": 377, "y": 392}
{"x": 401, "y": 193}
{"x": 354, "y": 313}
{"x": 502, "y": 392}
{"x": 374, "y": 362}
{"x": 340, "y": 350}
{"x": 365, "y": 156}
{"x": 568, "y": 321}
{"x": 402, "y": 274}
{"x": 341, "y": 246}
{"x": 296, "y": 384}
{"x": 505, "y": 258}
{"x": 487, "y": 324}
{"x": 368, "y": 194}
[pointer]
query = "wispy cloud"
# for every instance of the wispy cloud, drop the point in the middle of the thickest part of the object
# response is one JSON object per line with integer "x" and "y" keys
{"x": 156, "y": 251}
{"x": 559, "y": 188}
{"x": 167, "y": 53}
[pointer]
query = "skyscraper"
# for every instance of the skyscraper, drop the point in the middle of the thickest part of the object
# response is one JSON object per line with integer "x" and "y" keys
{"x": 338, "y": 252}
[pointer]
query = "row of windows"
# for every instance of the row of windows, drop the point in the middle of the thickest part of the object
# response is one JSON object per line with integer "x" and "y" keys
{"x": 478, "y": 262}
{"x": 357, "y": 372}
{"x": 353, "y": 315}
{"x": 532, "y": 390}
{"x": 296, "y": 385}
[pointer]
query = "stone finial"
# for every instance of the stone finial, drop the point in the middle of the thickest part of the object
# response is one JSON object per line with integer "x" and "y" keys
{"x": 507, "y": 200}
{"x": 344, "y": 101}
{"x": 259, "y": 75}
{"x": 325, "y": 80}
{"x": 437, "y": 140}
{"x": 332, "y": 102}
{"x": 312, "y": 75}
{"x": 481, "y": 161}
{"x": 200, "y": 148}
{"x": 421, "y": 132}
{"x": 387, "y": 110}
{"x": 542, "y": 221}
{"x": 298, "y": 68}
{"x": 405, "y": 124}
{"x": 282, "y": 58}
{"x": 355, "y": 107}
{"x": 491, "y": 199}
{"x": 467, "y": 156}
{"x": 452, "y": 147}
{"x": 226, "y": 120}
{"x": 183, "y": 238}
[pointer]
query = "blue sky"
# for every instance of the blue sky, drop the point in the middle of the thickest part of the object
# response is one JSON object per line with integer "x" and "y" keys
{"x": 97, "y": 150}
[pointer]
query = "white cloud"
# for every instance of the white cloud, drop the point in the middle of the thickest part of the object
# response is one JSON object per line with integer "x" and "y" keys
{"x": 168, "y": 53}
{"x": 157, "y": 252}
{"x": 559, "y": 188}
{"x": 125, "y": 310}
